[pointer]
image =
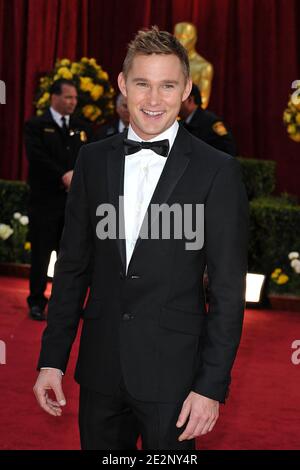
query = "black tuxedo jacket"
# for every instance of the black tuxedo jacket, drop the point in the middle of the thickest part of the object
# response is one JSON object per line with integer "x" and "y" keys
{"x": 150, "y": 324}
{"x": 50, "y": 154}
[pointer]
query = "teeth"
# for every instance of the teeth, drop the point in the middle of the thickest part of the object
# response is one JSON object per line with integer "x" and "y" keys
{"x": 153, "y": 113}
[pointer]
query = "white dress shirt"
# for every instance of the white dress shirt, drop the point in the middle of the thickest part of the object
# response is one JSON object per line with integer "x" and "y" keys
{"x": 141, "y": 174}
{"x": 57, "y": 117}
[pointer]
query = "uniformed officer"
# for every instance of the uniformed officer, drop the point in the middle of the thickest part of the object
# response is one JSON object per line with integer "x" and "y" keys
{"x": 119, "y": 124}
{"x": 52, "y": 144}
{"x": 206, "y": 125}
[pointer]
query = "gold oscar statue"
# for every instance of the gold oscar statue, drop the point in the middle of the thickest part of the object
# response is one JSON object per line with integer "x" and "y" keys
{"x": 201, "y": 70}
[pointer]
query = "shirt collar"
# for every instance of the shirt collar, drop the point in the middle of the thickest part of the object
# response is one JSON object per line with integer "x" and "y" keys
{"x": 57, "y": 117}
{"x": 169, "y": 134}
{"x": 121, "y": 126}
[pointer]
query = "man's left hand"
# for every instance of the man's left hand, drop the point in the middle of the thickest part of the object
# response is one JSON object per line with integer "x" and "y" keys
{"x": 203, "y": 413}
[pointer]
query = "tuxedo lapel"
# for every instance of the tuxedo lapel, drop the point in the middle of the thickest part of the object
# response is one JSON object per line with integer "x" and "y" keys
{"x": 174, "y": 168}
{"x": 115, "y": 177}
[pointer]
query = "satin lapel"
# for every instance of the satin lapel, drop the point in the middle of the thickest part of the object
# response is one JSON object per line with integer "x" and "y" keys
{"x": 115, "y": 177}
{"x": 173, "y": 170}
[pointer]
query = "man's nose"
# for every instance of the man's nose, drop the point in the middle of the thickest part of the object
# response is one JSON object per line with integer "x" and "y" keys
{"x": 154, "y": 97}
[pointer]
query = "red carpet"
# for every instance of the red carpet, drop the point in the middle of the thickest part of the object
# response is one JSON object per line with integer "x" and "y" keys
{"x": 263, "y": 411}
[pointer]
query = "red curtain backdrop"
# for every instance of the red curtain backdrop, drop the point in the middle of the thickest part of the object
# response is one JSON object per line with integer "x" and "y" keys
{"x": 254, "y": 46}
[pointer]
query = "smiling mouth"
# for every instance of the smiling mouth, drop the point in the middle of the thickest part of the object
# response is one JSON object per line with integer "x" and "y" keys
{"x": 154, "y": 114}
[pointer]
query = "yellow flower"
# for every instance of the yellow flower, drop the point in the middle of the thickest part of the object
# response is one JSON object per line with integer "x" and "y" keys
{"x": 39, "y": 112}
{"x": 45, "y": 83}
{"x": 27, "y": 246}
{"x": 291, "y": 129}
{"x": 298, "y": 118}
{"x": 84, "y": 60}
{"x": 64, "y": 72}
{"x": 93, "y": 62}
{"x": 102, "y": 75}
{"x": 96, "y": 92}
{"x": 91, "y": 112}
{"x": 86, "y": 84}
{"x": 43, "y": 99}
{"x": 96, "y": 114}
{"x": 287, "y": 116}
{"x": 88, "y": 110}
{"x": 56, "y": 77}
{"x": 283, "y": 279}
{"x": 76, "y": 68}
{"x": 65, "y": 62}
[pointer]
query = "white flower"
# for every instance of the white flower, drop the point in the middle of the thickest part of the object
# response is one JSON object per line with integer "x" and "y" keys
{"x": 17, "y": 215}
{"x": 5, "y": 231}
{"x": 293, "y": 255}
{"x": 24, "y": 220}
{"x": 295, "y": 263}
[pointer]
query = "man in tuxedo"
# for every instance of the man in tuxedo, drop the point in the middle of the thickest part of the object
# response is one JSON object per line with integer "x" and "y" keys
{"x": 152, "y": 361}
{"x": 119, "y": 124}
{"x": 52, "y": 144}
{"x": 206, "y": 125}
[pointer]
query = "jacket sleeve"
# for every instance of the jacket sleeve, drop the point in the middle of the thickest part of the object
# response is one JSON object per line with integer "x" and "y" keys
{"x": 36, "y": 151}
{"x": 226, "y": 243}
{"x": 71, "y": 277}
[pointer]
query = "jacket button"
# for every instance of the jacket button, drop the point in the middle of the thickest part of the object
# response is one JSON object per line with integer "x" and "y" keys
{"x": 135, "y": 276}
{"x": 127, "y": 316}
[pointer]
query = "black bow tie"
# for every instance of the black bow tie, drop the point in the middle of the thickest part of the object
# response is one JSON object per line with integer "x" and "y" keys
{"x": 161, "y": 147}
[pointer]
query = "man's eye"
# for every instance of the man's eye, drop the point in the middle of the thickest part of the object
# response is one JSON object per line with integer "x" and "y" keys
{"x": 168, "y": 86}
{"x": 142, "y": 84}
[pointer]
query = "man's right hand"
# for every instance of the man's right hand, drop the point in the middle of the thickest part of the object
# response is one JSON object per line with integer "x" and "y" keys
{"x": 50, "y": 379}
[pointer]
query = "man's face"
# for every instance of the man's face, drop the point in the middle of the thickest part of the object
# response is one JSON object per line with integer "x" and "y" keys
{"x": 66, "y": 102}
{"x": 155, "y": 88}
{"x": 122, "y": 110}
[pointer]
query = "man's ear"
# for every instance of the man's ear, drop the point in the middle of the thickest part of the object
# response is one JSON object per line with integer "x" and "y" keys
{"x": 187, "y": 90}
{"x": 122, "y": 84}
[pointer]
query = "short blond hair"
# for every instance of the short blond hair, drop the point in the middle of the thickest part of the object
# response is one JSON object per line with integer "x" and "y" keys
{"x": 154, "y": 41}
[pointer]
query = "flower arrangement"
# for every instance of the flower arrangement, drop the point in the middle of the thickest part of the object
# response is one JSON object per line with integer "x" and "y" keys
{"x": 287, "y": 279}
{"x": 95, "y": 93}
{"x": 14, "y": 246}
{"x": 291, "y": 119}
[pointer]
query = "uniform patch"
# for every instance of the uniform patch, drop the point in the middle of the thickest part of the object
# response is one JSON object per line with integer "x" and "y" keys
{"x": 219, "y": 128}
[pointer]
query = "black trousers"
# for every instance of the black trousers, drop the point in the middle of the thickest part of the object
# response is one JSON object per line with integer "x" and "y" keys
{"x": 45, "y": 230}
{"x": 115, "y": 422}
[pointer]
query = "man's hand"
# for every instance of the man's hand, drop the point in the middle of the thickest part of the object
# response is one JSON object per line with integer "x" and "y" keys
{"x": 50, "y": 379}
{"x": 67, "y": 178}
{"x": 203, "y": 413}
